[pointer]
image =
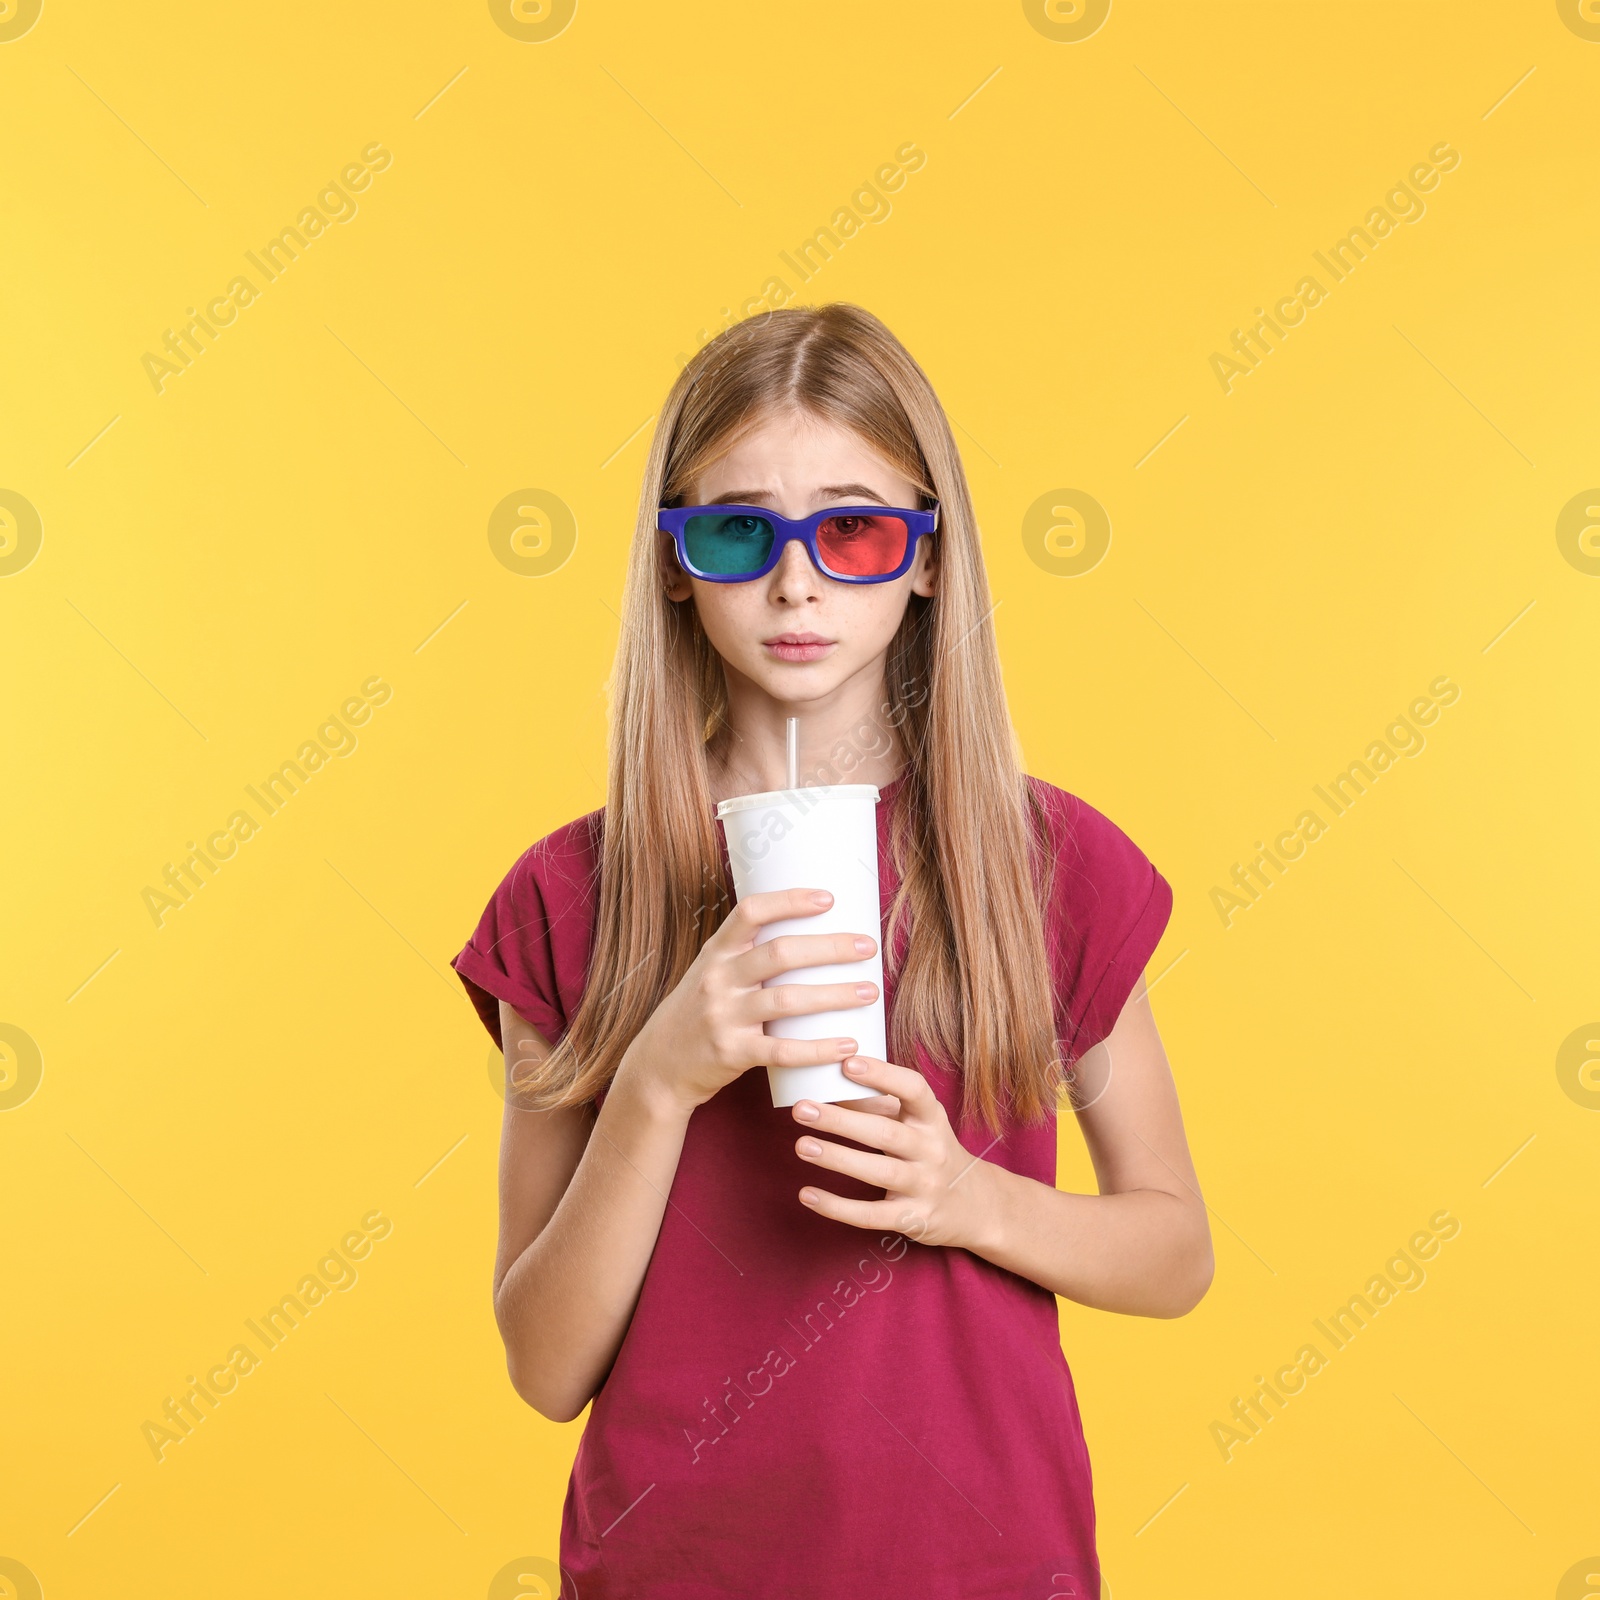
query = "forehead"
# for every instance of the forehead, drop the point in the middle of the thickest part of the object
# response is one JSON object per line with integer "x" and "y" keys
{"x": 797, "y": 453}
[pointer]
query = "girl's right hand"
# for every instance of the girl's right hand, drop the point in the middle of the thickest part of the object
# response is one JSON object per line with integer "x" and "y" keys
{"x": 708, "y": 1030}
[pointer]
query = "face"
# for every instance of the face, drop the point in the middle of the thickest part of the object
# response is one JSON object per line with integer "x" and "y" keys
{"x": 795, "y": 463}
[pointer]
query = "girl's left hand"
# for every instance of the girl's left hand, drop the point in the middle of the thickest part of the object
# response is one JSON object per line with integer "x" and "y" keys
{"x": 935, "y": 1190}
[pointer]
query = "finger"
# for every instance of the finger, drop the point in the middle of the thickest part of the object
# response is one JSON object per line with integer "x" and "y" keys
{"x": 915, "y": 1092}
{"x": 755, "y": 911}
{"x": 875, "y": 1129}
{"x": 790, "y": 951}
{"x": 877, "y": 1105}
{"x": 858, "y": 1213}
{"x": 779, "y": 1052}
{"x": 801, "y": 999}
{"x": 882, "y": 1172}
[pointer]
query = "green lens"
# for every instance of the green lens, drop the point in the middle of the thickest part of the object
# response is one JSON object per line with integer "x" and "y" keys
{"x": 728, "y": 544}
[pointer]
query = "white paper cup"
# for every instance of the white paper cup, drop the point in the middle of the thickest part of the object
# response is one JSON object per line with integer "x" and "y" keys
{"x": 818, "y": 838}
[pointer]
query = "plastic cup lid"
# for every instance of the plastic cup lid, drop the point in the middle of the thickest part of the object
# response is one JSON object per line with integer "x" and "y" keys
{"x": 812, "y": 796}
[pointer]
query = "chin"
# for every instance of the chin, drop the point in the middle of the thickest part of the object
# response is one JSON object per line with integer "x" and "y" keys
{"x": 799, "y": 680}
{"x": 802, "y": 681}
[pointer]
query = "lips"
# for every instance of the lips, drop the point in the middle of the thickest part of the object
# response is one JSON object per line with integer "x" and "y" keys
{"x": 798, "y": 646}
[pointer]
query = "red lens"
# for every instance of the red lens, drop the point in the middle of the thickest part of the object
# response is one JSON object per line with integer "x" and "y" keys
{"x": 861, "y": 546}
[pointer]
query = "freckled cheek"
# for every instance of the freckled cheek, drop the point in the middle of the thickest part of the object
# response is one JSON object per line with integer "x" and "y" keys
{"x": 875, "y": 617}
{"x": 727, "y": 617}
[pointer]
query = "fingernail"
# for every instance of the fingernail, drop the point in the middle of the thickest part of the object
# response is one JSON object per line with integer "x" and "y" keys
{"x": 854, "y": 1068}
{"x": 845, "y": 1047}
{"x": 806, "y": 1112}
{"x": 822, "y": 898}
{"x": 810, "y": 1147}
{"x": 863, "y": 947}
{"x": 867, "y": 991}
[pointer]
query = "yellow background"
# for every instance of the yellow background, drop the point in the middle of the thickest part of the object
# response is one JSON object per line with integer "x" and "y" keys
{"x": 307, "y": 504}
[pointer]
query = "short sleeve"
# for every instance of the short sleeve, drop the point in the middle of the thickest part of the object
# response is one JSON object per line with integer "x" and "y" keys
{"x": 1109, "y": 907}
{"x": 531, "y": 943}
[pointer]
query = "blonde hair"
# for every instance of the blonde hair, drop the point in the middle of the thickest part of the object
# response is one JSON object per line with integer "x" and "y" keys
{"x": 964, "y": 938}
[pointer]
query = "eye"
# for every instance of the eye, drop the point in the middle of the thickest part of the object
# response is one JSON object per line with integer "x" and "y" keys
{"x": 746, "y": 527}
{"x": 848, "y": 526}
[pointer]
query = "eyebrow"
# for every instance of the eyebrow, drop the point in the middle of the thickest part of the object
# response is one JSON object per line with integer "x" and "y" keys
{"x": 828, "y": 491}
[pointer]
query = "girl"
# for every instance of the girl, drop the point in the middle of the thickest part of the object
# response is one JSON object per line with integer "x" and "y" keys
{"x": 821, "y": 1343}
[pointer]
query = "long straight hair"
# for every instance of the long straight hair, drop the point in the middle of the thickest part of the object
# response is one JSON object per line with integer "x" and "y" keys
{"x": 965, "y": 937}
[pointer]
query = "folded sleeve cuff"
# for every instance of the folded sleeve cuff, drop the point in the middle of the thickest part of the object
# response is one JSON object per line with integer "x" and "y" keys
{"x": 486, "y": 985}
{"x": 1122, "y": 973}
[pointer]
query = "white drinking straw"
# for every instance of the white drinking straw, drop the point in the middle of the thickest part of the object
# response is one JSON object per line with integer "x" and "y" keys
{"x": 794, "y": 752}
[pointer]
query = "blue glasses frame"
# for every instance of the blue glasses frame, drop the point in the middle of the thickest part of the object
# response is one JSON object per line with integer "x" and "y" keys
{"x": 674, "y": 520}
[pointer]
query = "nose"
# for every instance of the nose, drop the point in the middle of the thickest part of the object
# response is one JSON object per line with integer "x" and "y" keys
{"x": 795, "y": 577}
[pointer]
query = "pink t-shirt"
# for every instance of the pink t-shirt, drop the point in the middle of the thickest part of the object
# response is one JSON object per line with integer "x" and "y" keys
{"x": 800, "y": 1407}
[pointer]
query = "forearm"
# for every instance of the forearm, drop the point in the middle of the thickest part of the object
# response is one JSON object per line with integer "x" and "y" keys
{"x": 1143, "y": 1252}
{"x": 564, "y": 1304}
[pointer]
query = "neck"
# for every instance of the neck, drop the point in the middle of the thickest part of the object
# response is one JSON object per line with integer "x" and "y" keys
{"x": 846, "y": 736}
